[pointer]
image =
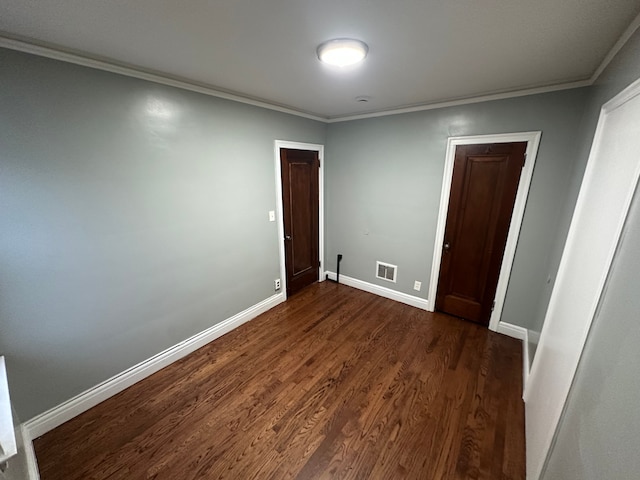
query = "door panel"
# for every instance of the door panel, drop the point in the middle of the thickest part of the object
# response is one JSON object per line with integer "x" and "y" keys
{"x": 483, "y": 191}
{"x": 300, "y": 176}
{"x": 300, "y": 203}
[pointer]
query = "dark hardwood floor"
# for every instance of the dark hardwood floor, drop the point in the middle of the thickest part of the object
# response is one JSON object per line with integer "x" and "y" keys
{"x": 334, "y": 383}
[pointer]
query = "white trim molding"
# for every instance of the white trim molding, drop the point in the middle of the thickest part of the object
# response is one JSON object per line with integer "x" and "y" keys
{"x": 279, "y": 144}
{"x": 113, "y": 66}
{"x": 489, "y": 97}
{"x": 381, "y": 291}
{"x": 609, "y": 184}
{"x": 84, "y": 59}
{"x": 520, "y": 333}
{"x": 30, "y": 454}
{"x": 501, "y": 95}
{"x": 533, "y": 142}
{"x": 64, "y": 412}
{"x": 624, "y": 38}
{"x": 57, "y": 52}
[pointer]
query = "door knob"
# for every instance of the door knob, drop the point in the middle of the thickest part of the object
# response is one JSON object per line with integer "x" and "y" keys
{"x": 446, "y": 246}
{"x": 287, "y": 237}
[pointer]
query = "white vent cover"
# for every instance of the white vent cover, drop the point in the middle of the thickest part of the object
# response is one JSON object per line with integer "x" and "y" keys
{"x": 386, "y": 271}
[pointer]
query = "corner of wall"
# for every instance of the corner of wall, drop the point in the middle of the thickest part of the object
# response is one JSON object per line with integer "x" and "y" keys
{"x": 520, "y": 333}
{"x": 381, "y": 291}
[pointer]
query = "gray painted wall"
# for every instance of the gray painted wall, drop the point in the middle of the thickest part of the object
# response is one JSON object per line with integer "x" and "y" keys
{"x": 121, "y": 231}
{"x": 599, "y": 433}
{"x": 384, "y": 177}
{"x": 132, "y": 216}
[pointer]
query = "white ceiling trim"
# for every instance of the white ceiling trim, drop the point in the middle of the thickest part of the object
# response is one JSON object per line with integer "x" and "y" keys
{"x": 57, "y": 53}
{"x": 464, "y": 101}
{"x": 130, "y": 71}
{"x": 624, "y": 38}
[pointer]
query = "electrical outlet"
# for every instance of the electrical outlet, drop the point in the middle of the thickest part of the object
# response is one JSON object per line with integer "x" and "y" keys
{"x": 276, "y": 284}
{"x": 417, "y": 285}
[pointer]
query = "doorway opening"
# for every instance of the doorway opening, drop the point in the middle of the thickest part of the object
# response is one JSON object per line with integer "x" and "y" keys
{"x": 300, "y": 213}
{"x": 487, "y": 168}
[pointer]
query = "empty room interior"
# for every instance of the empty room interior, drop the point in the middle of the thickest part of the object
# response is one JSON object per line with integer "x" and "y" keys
{"x": 295, "y": 239}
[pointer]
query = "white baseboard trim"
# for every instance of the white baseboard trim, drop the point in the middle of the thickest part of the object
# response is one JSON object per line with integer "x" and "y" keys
{"x": 381, "y": 291}
{"x": 534, "y": 337}
{"x": 520, "y": 333}
{"x": 511, "y": 330}
{"x": 64, "y": 412}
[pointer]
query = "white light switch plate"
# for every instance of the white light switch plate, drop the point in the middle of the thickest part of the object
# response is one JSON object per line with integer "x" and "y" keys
{"x": 272, "y": 216}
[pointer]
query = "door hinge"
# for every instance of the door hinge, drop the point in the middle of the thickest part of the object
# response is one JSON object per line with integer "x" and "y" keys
{"x": 319, "y": 264}
{"x": 524, "y": 160}
{"x": 493, "y": 305}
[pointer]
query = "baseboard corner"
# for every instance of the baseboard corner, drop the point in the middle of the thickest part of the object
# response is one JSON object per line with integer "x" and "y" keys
{"x": 33, "y": 473}
{"x": 385, "y": 292}
{"x": 520, "y": 333}
{"x": 510, "y": 330}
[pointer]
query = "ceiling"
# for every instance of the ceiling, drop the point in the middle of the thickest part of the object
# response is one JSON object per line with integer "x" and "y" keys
{"x": 420, "y": 51}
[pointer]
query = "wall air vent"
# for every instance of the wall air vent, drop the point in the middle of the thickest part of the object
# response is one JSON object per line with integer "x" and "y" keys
{"x": 386, "y": 271}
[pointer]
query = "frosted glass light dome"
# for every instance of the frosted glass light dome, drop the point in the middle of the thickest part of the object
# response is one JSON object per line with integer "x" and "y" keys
{"x": 342, "y": 52}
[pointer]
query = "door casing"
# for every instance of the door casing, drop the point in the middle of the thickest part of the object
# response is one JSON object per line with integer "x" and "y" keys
{"x": 533, "y": 142}
{"x": 279, "y": 210}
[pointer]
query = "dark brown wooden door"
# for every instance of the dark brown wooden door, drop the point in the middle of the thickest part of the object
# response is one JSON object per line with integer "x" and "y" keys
{"x": 300, "y": 206}
{"x": 483, "y": 191}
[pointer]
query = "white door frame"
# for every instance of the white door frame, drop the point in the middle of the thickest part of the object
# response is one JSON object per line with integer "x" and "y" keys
{"x": 533, "y": 141}
{"x": 608, "y": 187}
{"x": 279, "y": 144}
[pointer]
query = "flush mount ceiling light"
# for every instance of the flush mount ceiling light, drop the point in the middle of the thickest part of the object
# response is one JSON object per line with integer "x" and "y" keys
{"x": 342, "y": 52}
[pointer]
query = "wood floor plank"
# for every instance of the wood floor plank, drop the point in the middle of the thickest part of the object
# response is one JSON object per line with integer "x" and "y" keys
{"x": 334, "y": 383}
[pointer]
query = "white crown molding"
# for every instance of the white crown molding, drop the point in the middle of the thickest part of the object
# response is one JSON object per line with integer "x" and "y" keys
{"x": 463, "y": 101}
{"x": 624, "y": 38}
{"x": 130, "y": 71}
{"x": 57, "y": 53}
